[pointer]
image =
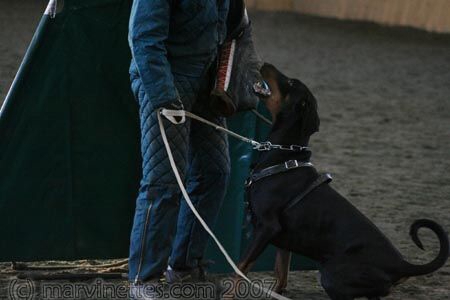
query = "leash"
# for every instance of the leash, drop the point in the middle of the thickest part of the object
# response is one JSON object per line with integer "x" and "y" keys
{"x": 259, "y": 115}
{"x": 171, "y": 116}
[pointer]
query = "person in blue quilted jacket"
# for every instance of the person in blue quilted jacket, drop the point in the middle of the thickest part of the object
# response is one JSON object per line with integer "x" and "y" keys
{"x": 174, "y": 43}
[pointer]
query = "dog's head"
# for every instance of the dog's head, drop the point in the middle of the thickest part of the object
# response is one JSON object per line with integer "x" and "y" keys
{"x": 292, "y": 105}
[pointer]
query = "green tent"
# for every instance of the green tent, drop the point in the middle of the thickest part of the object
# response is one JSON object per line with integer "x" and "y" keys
{"x": 69, "y": 145}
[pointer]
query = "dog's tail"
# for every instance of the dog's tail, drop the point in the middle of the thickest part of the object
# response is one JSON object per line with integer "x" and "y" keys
{"x": 441, "y": 258}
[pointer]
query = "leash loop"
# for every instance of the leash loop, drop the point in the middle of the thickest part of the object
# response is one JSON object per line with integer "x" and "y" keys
{"x": 172, "y": 114}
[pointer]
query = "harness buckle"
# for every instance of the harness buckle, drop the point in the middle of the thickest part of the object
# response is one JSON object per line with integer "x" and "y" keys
{"x": 290, "y": 164}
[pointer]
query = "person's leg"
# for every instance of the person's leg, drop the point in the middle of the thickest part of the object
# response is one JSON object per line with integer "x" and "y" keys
{"x": 157, "y": 204}
{"x": 208, "y": 176}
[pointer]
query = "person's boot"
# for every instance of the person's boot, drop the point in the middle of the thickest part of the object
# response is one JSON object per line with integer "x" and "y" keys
{"x": 190, "y": 275}
{"x": 151, "y": 289}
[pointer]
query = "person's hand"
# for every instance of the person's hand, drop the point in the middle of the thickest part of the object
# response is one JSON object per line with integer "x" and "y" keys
{"x": 177, "y": 105}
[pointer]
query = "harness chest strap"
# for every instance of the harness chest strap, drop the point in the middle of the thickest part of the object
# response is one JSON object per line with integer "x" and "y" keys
{"x": 323, "y": 178}
{"x": 287, "y": 166}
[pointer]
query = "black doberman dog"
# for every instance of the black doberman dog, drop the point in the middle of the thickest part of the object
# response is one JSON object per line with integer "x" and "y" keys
{"x": 356, "y": 259}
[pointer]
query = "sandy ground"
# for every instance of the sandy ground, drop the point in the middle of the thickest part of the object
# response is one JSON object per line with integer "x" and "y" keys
{"x": 18, "y": 19}
{"x": 384, "y": 98}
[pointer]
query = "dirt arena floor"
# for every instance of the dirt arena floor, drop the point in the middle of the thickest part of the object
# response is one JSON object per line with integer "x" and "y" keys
{"x": 384, "y": 100}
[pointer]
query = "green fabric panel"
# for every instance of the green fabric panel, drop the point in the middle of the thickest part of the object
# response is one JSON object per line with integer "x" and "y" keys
{"x": 35, "y": 203}
{"x": 69, "y": 151}
{"x": 69, "y": 145}
{"x": 229, "y": 225}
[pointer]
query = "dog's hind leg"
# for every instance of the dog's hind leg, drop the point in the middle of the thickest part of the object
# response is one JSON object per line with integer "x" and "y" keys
{"x": 339, "y": 297}
{"x": 281, "y": 269}
{"x": 357, "y": 280}
{"x": 332, "y": 285}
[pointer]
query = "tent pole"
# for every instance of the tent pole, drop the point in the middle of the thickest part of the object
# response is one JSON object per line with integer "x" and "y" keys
{"x": 24, "y": 66}
{"x": 51, "y": 8}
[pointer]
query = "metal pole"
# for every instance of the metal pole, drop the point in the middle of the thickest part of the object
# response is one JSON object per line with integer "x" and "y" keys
{"x": 24, "y": 66}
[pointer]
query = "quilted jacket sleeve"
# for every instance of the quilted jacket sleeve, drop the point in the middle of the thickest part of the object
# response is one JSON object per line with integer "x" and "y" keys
{"x": 223, "y": 7}
{"x": 148, "y": 31}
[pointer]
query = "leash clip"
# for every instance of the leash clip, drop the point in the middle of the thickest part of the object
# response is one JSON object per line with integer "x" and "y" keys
{"x": 264, "y": 146}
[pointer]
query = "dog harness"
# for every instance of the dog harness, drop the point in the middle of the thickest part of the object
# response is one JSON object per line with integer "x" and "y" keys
{"x": 285, "y": 167}
{"x": 321, "y": 179}
{"x": 276, "y": 169}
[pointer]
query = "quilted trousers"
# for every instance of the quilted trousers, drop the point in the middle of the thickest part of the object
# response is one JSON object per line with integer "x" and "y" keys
{"x": 165, "y": 231}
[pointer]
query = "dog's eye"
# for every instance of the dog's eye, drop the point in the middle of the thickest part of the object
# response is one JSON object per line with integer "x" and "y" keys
{"x": 291, "y": 82}
{"x": 303, "y": 103}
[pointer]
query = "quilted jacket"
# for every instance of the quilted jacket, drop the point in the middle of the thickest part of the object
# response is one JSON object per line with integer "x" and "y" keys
{"x": 170, "y": 37}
